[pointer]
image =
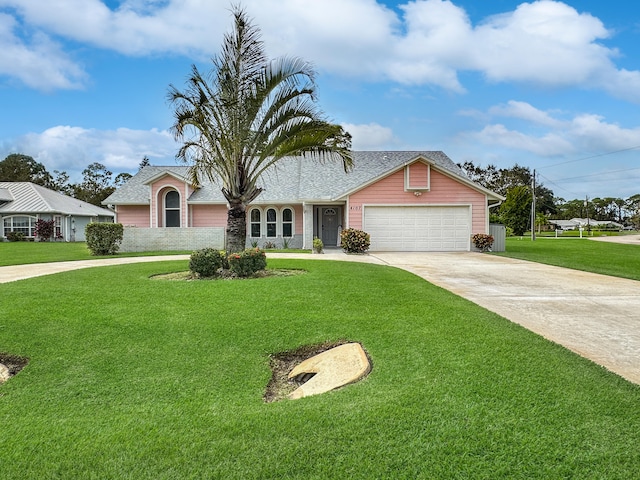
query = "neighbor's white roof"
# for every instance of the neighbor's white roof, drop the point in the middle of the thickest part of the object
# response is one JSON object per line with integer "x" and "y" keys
{"x": 29, "y": 198}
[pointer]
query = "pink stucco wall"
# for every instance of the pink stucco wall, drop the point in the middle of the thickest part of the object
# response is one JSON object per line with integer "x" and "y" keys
{"x": 299, "y": 225}
{"x": 133, "y": 215}
{"x": 444, "y": 191}
{"x": 199, "y": 215}
{"x": 208, "y": 216}
{"x": 159, "y": 189}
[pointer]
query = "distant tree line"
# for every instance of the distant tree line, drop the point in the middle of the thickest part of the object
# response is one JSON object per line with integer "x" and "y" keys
{"x": 97, "y": 181}
{"x": 515, "y": 184}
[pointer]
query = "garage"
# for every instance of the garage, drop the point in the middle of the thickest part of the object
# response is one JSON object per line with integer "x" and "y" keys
{"x": 418, "y": 228}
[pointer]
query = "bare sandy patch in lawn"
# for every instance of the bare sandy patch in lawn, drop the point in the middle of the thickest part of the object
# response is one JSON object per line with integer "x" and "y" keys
{"x": 10, "y": 365}
{"x": 280, "y": 387}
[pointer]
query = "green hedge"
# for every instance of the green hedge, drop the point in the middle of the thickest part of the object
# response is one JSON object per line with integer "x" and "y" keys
{"x": 247, "y": 262}
{"x": 354, "y": 241}
{"x": 207, "y": 262}
{"x": 16, "y": 237}
{"x": 104, "y": 238}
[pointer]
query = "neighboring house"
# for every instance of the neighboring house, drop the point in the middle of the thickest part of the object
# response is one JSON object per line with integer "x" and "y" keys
{"x": 608, "y": 224}
{"x": 23, "y": 203}
{"x": 406, "y": 201}
{"x": 575, "y": 223}
{"x": 564, "y": 224}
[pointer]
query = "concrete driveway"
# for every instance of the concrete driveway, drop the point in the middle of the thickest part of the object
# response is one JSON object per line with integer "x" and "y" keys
{"x": 628, "y": 239}
{"x": 596, "y": 316}
{"x": 593, "y": 315}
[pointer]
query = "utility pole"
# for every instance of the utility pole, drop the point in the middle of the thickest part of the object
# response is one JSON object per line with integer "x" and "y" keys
{"x": 533, "y": 206}
{"x": 586, "y": 206}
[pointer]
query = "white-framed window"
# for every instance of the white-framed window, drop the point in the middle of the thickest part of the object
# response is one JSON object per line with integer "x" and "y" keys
{"x": 172, "y": 209}
{"x": 287, "y": 222}
{"x": 255, "y": 219}
{"x": 20, "y": 224}
{"x": 57, "y": 224}
{"x": 271, "y": 222}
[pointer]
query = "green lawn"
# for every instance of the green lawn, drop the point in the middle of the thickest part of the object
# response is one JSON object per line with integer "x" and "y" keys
{"x": 618, "y": 260}
{"x": 136, "y": 378}
{"x": 20, "y": 253}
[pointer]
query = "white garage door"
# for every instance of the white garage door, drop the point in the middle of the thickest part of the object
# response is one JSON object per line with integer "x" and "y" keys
{"x": 418, "y": 229}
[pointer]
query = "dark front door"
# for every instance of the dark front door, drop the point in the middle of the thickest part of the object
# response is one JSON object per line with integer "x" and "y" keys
{"x": 330, "y": 217}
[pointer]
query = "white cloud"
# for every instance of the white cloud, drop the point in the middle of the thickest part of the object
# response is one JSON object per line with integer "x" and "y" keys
{"x": 547, "y": 145}
{"x": 525, "y": 111}
{"x": 347, "y": 37}
{"x": 39, "y": 63}
{"x": 543, "y": 42}
{"x": 72, "y": 149}
{"x": 548, "y": 136}
{"x": 135, "y": 28}
{"x": 434, "y": 46}
{"x": 370, "y": 136}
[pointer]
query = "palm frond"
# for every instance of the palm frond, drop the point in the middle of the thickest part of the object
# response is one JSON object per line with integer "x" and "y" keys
{"x": 248, "y": 113}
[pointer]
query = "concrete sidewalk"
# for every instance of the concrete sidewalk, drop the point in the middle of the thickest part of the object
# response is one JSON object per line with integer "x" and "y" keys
{"x": 21, "y": 272}
{"x": 593, "y": 315}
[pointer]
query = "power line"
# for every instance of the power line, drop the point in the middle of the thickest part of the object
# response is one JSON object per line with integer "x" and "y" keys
{"x": 561, "y": 188}
{"x": 598, "y": 174}
{"x": 592, "y": 156}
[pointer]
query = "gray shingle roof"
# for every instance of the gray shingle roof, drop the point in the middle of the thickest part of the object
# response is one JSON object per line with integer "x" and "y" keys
{"x": 294, "y": 179}
{"x": 26, "y": 197}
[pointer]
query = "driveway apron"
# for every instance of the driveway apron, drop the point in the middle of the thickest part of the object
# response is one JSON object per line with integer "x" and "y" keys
{"x": 596, "y": 316}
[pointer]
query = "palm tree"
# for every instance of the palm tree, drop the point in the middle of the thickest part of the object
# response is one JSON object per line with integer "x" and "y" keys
{"x": 245, "y": 116}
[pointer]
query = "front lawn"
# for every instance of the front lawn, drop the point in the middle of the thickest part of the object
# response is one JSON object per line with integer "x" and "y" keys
{"x": 618, "y": 260}
{"x": 136, "y": 378}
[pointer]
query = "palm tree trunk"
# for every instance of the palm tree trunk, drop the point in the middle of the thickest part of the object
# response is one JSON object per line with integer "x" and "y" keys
{"x": 236, "y": 227}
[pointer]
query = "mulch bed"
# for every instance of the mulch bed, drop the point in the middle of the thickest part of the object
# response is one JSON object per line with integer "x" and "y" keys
{"x": 227, "y": 275}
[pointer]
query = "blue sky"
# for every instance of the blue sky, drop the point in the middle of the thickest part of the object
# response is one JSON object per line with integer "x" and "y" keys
{"x": 551, "y": 85}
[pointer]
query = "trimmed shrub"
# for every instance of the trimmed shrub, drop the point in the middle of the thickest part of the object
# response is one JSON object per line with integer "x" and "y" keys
{"x": 207, "y": 262}
{"x": 317, "y": 245}
{"x": 482, "y": 241}
{"x": 354, "y": 241}
{"x": 44, "y": 229}
{"x": 103, "y": 238}
{"x": 247, "y": 262}
{"x": 15, "y": 237}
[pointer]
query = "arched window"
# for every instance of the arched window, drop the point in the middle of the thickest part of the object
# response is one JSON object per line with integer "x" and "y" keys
{"x": 255, "y": 219}
{"x": 272, "y": 218}
{"x": 172, "y": 209}
{"x": 287, "y": 222}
